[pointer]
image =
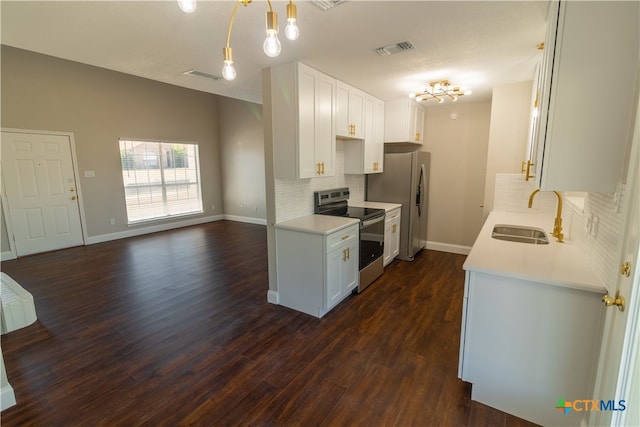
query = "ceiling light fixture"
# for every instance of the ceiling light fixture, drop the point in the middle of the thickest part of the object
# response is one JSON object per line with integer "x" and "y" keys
{"x": 439, "y": 91}
{"x": 187, "y": 6}
{"x": 271, "y": 44}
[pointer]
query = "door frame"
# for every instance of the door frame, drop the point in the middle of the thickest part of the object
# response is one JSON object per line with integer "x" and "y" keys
{"x": 76, "y": 177}
{"x": 624, "y": 379}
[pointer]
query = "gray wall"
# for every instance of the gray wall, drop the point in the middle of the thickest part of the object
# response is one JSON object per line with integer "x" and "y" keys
{"x": 458, "y": 163}
{"x": 44, "y": 93}
{"x": 98, "y": 106}
{"x": 242, "y": 155}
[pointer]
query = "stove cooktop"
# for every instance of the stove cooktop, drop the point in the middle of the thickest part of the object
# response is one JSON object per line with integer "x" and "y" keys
{"x": 334, "y": 202}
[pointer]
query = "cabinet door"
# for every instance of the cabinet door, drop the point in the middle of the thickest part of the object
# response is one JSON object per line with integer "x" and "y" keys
{"x": 377, "y": 144}
{"x": 349, "y": 111}
{"x": 342, "y": 110}
{"x": 418, "y": 129}
{"x": 394, "y": 241}
{"x": 307, "y": 167}
{"x": 350, "y": 272}
{"x": 325, "y": 136}
{"x": 369, "y": 161}
{"x": 584, "y": 138}
{"x": 342, "y": 272}
{"x": 334, "y": 273}
{"x": 391, "y": 236}
{"x": 356, "y": 113}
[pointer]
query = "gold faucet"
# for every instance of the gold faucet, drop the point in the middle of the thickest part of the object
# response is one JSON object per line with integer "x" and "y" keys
{"x": 557, "y": 224}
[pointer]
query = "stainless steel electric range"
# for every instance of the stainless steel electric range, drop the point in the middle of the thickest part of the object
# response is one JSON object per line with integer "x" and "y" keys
{"x": 335, "y": 202}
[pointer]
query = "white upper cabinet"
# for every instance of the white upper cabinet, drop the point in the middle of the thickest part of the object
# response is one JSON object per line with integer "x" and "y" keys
{"x": 349, "y": 111}
{"x": 403, "y": 121}
{"x": 303, "y": 126}
{"x": 367, "y": 156}
{"x": 587, "y": 96}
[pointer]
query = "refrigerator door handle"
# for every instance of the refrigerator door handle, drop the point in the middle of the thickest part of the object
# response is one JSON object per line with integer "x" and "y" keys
{"x": 419, "y": 191}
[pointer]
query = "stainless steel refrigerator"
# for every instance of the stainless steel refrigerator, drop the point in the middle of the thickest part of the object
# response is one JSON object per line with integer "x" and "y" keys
{"x": 405, "y": 180}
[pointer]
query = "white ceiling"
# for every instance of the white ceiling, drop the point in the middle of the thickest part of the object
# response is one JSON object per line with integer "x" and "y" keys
{"x": 479, "y": 44}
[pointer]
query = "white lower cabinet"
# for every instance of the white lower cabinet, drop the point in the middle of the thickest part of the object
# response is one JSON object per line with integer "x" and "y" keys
{"x": 524, "y": 345}
{"x": 316, "y": 271}
{"x": 391, "y": 236}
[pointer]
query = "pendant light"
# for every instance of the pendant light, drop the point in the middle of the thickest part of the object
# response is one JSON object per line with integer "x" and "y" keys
{"x": 271, "y": 45}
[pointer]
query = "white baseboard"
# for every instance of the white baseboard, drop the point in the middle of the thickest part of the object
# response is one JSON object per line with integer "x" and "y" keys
{"x": 272, "y": 297}
{"x": 447, "y": 247}
{"x": 257, "y": 221}
{"x": 7, "y": 397}
{"x": 151, "y": 229}
{"x": 6, "y": 256}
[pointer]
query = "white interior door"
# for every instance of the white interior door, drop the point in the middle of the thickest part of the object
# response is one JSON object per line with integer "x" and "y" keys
{"x": 617, "y": 377}
{"x": 41, "y": 192}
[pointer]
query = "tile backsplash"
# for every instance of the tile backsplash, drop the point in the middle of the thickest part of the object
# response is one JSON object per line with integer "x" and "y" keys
{"x": 294, "y": 198}
{"x": 601, "y": 251}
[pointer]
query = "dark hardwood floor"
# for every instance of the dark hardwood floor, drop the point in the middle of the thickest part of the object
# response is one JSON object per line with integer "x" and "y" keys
{"x": 174, "y": 329}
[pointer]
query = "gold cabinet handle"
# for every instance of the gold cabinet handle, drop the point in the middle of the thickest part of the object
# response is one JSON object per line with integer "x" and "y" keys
{"x": 72, "y": 197}
{"x": 618, "y": 301}
{"x": 318, "y": 172}
{"x": 417, "y": 136}
{"x": 345, "y": 237}
{"x": 345, "y": 255}
{"x": 322, "y": 168}
{"x": 523, "y": 167}
{"x": 528, "y": 172}
{"x": 393, "y": 228}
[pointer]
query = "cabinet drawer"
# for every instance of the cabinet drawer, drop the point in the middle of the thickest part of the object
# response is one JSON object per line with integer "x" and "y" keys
{"x": 341, "y": 237}
{"x": 392, "y": 215}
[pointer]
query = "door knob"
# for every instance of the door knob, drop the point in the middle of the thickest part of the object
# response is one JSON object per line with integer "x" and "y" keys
{"x": 72, "y": 197}
{"x": 618, "y": 301}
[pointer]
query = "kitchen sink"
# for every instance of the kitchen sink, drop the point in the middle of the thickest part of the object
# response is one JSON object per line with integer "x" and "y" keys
{"x": 520, "y": 234}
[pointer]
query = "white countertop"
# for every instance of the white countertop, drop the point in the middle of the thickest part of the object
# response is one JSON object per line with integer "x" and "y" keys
{"x": 376, "y": 205}
{"x": 317, "y": 224}
{"x": 560, "y": 264}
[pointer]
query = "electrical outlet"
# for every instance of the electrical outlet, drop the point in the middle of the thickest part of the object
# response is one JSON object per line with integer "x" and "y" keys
{"x": 594, "y": 227}
{"x": 588, "y": 222}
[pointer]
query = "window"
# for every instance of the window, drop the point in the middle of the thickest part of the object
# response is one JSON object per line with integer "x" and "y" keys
{"x": 160, "y": 179}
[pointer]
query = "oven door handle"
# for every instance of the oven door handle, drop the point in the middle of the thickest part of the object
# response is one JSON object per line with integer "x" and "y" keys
{"x": 371, "y": 221}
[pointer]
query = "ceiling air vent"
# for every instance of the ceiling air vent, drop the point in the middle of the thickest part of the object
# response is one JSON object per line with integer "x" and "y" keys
{"x": 201, "y": 74}
{"x": 327, "y": 4}
{"x": 395, "y": 48}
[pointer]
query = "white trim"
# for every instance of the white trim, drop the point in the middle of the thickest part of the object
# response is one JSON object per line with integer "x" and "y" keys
{"x": 447, "y": 247}
{"x": 151, "y": 229}
{"x": 7, "y": 255}
{"x": 273, "y": 297}
{"x": 258, "y": 221}
{"x": 7, "y": 397}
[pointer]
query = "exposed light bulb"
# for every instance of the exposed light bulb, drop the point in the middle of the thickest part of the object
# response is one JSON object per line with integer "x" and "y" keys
{"x": 272, "y": 46}
{"x": 440, "y": 100}
{"x": 412, "y": 95}
{"x": 291, "y": 31}
{"x": 455, "y": 98}
{"x": 468, "y": 92}
{"x": 228, "y": 72}
{"x": 187, "y": 6}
